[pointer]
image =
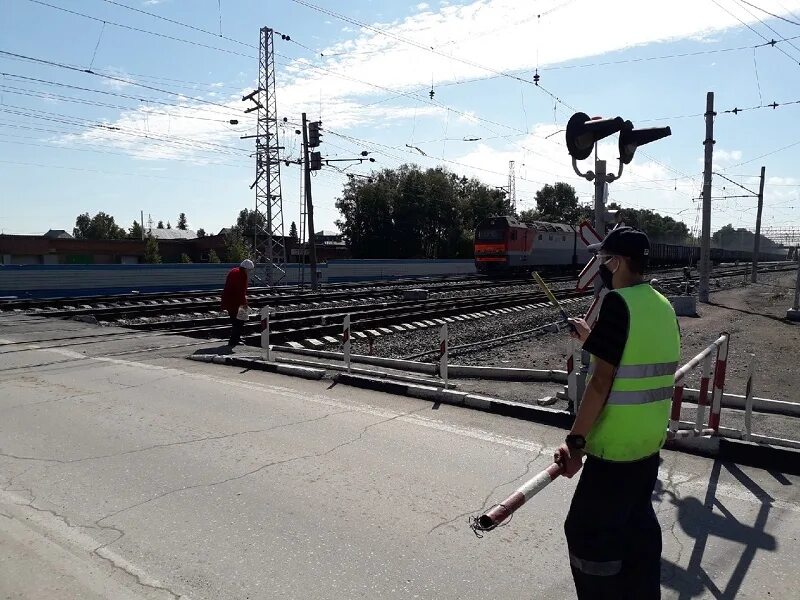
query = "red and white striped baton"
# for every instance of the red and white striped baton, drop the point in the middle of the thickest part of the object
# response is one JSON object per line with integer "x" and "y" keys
{"x": 500, "y": 512}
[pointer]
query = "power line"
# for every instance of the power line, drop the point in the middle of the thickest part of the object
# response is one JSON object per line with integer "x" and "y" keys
{"x": 110, "y": 77}
{"x": 51, "y": 96}
{"x": 181, "y": 23}
{"x": 772, "y": 29}
{"x": 758, "y": 33}
{"x": 428, "y": 49}
{"x": 139, "y": 29}
{"x": 769, "y": 13}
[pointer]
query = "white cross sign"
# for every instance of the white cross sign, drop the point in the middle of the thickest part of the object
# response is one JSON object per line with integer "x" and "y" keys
{"x": 588, "y": 236}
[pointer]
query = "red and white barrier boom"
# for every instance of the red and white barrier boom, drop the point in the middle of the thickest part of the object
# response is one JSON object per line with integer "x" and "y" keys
{"x": 499, "y": 513}
{"x": 721, "y": 346}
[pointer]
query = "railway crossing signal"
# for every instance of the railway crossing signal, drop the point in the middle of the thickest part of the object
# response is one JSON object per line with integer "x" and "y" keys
{"x": 584, "y": 132}
{"x": 630, "y": 139}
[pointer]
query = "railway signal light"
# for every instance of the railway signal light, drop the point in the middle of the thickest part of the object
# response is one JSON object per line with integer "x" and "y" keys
{"x": 630, "y": 139}
{"x": 314, "y": 134}
{"x": 583, "y": 132}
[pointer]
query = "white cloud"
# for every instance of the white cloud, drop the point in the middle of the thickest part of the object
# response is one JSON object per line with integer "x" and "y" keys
{"x": 375, "y": 79}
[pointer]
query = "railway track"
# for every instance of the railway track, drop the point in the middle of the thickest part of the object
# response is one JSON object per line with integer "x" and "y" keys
{"x": 293, "y": 324}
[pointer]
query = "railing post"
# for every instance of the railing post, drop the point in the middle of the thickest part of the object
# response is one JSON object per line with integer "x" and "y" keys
{"x": 573, "y": 370}
{"x": 719, "y": 383}
{"x": 748, "y": 403}
{"x": 702, "y": 399}
{"x": 443, "y": 342}
{"x": 346, "y": 342}
{"x": 677, "y": 399}
{"x": 266, "y": 350}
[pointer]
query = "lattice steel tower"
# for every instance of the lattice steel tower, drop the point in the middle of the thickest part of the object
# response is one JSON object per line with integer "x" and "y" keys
{"x": 268, "y": 239}
{"x": 512, "y": 186}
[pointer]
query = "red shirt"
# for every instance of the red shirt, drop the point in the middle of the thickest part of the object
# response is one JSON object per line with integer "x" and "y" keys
{"x": 234, "y": 294}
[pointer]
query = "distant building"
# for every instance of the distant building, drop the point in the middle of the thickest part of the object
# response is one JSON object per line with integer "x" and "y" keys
{"x": 57, "y": 247}
{"x": 171, "y": 234}
{"x": 58, "y": 234}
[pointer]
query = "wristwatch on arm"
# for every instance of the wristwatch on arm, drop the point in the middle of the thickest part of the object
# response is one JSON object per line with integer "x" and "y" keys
{"x": 575, "y": 442}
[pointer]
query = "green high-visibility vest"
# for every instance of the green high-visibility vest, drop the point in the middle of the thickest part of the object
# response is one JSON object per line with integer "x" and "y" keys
{"x": 633, "y": 423}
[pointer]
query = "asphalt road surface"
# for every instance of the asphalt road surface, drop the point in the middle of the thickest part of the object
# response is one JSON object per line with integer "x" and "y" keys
{"x": 133, "y": 473}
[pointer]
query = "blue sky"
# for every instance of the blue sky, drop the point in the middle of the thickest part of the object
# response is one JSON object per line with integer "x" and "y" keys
{"x": 119, "y": 146}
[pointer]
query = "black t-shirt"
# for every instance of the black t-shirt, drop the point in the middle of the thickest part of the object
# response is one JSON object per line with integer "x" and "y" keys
{"x": 610, "y": 334}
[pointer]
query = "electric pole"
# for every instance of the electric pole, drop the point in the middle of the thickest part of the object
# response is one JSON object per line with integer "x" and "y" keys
{"x": 599, "y": 208}
{"x": 705, "y": 236}
{"x": 757, "y": 240}
{"x": 309, "y": 207}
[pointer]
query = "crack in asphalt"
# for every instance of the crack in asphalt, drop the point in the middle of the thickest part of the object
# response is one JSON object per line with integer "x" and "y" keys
{"x": 490, "y": 494}
{"x": 269, "y": 464}
{"x": 198, "y": 440}
{"x": 98, "y": 525}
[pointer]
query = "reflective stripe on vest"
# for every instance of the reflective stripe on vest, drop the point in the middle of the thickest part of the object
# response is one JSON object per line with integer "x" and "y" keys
{"x": 633, "y": 422}
{"x": 651, "y": 370}
{"x": 639, "y": 396}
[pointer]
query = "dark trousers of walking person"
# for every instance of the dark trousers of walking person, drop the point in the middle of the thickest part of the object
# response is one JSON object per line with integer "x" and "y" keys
{"x": 237, "y": 326}
{"x": 613, "y": 534}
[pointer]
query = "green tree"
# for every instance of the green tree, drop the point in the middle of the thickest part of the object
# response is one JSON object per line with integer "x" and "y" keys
{"x": 558, "y": 203}
{"x": 413, "y": 213}
{"x": 151, "y": 254}
{"x": 160, "y": 225}
{"x": 99, "y": 227}
{"x": 235, "y": 247}
{"x": 293, "y": 233}
{"x": 135, "y": 232}
{"x": 201, "y": 233}
{"x": 82, "y": 223}
{"x": 248, "y": 222}
{"x": 528, "y": 215}
{"x": 659, "y": 228}
{"x": 185, "y": 258}
{"x": 212, "y": 256}
{"x": 182, "y": 221}
{"x": 732, "y": 238}
{"x": 168, "y": 225}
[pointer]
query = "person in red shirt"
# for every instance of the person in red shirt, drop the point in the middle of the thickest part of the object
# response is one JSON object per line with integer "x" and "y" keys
{"x": 234, "y": 297}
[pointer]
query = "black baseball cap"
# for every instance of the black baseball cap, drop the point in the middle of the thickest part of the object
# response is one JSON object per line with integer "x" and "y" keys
{"x": 624, "y": 241}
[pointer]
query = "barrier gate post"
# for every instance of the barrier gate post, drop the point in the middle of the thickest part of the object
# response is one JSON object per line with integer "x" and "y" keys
{"x": 702, "y": 399}
{"x": 443, "y": 354}
{"x": 748, "y": 403}
{"x": 266, "y": 351}
{"x": 719, "y": 383}
{"x": 346, "y": 341}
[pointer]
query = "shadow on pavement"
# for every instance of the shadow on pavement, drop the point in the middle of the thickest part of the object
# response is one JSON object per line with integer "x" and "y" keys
{"x": 700, "y": 522}
{"x": 224, "y": 349}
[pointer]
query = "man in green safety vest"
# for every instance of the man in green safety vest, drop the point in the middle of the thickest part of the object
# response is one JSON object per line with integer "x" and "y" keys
{"x": 613, "y": 535}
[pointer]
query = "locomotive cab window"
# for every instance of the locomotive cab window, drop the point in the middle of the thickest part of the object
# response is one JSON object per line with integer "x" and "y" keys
{"x": 490, "y": 234}
{"x": 551, "y": 238}
{"x": 563, "y": 238}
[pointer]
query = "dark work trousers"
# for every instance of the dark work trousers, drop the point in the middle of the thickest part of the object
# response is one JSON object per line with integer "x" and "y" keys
{"x": 613, "y": 534}
{"x": 236, "y": 331}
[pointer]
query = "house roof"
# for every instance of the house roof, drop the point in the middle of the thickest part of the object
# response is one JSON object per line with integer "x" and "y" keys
{"x": 57, "y": 233}
{"x": 171, "y": 234}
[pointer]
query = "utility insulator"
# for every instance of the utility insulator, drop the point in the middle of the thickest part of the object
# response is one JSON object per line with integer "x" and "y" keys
{"x": 315, "y": 161}
{"x": 314, "y": 134}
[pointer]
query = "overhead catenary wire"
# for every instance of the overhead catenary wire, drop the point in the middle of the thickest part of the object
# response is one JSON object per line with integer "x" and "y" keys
{"x": 770, "y": 13}
{"x": 60, "y": 65}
